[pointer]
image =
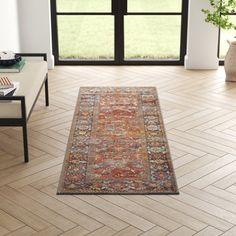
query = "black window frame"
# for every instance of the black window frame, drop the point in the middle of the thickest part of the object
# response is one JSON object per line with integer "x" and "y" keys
{"x": 117, "y": 6}
{"x": 221, "y": 61}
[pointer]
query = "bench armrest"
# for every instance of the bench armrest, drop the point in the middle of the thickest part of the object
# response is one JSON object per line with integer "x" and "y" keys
{"x": 14, "y": 121}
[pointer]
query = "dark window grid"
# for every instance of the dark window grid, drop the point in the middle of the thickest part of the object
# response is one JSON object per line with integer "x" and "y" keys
{"x": 183, "y": 38}
{"x": 111, "y": 14}
{"x": 221, "y": 61}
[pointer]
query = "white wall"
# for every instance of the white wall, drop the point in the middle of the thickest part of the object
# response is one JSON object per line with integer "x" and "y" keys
{"x": 35, "y": 27}
{"x": 9, "y": 34}
{"x": 202, "y": 39}
{"x": 34, "y": 33}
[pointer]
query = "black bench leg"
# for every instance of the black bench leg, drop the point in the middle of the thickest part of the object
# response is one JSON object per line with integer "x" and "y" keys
{"x": 25, "y": 140}
{"x": 24, "y": 129}
{"x": 46, "y": 91}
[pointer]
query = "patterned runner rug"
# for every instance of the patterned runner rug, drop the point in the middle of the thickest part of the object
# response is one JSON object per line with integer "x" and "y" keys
{"x": 117, "y": 144}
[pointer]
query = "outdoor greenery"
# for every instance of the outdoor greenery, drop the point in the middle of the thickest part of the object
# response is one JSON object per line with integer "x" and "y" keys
{"x": 221, "y": 16}
{"x": 226, "y": 35}
{"x": 92, "y": 37}
{"x": 152, "y": 37}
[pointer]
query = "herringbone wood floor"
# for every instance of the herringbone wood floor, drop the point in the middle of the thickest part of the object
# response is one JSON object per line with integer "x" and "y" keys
{"x": 199, "y": 112}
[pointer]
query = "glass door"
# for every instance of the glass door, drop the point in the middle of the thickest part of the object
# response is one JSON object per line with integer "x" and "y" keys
{"x": 84, "y": 30}
{"x": 119, "y": 31}
{"x": 225, "y": 35}
{"x": 153, "y": 30}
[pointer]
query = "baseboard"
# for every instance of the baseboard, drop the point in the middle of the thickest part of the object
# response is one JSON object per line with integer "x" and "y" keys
{"x": 202, "y": 64}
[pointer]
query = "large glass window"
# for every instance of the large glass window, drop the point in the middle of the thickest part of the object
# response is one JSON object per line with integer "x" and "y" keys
{"x": 152, "y": 37}
{"x": 119, "y": 31}
{"x": 224, "y": 36}
{"x": 154, "y": 6}
{"x": 83, "y": 5}
{"x": 86, "y": 37}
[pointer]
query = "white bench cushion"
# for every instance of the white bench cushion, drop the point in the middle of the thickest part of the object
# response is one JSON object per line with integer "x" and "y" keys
{"x": 30, "y": 81}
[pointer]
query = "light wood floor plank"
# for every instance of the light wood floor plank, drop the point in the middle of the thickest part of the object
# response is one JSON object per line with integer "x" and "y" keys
{"x": 209, "y": 231}
{"x": 207, "y": 169}
{"x": 221, "y": 193}
{"x": 210, "y": 198}
{"x": 183, "y": 160}
{"x": 144, "y": 212}
{"x": 189, "y": 209}
{"x": 51, "y": 231}
{"x": 88, "y": 209}
{"x": 25, "y": 231}
{"x": 62, "y": 209}
{"x": 169, "y": 212}
{"x": 231, "y": 232}
{"x": 156, "y": 231}
{"x": 231, "y": 189}
{"x": 76, "y": 231}
{"x": 216, "y": 175}
{"x": 106, "y": 231}
{"x": 199, "y": 113}
{"x": 183, "y": 231}
{"x": 36, "y": 208}
{"x": 194, "y": 165}
{"x": 118, "y": 212}
{"x": 44, "y": 182}
{"x": 3, "y": 231}
{"x": 29, "y": 171}
{"x": 35, "y": 177}
{"x": 208, "y": 208}
{"x": 9, "y": 222}
{"x": 129, "y": 231}
{"x": 227, "y": 181}
{"x": 23, "y": 215}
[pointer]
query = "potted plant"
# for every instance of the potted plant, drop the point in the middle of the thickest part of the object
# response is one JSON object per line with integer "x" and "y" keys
{"x": 218, "y": 15}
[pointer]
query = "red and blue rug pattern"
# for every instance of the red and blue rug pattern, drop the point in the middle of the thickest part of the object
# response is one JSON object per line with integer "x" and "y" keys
{"x": 117, "y": 144}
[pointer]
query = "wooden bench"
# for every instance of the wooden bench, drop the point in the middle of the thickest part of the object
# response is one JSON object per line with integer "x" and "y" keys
{"x": 15, "y": 110}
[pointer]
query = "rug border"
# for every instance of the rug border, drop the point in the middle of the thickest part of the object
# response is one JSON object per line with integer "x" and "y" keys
{"x": 118, "y": 193}
{"x": 59, "y": 188}
{"x": 167, "y": 143}
{"x": 60, "y": 183}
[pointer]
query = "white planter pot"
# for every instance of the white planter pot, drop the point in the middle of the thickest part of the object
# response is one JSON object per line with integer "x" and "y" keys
{"x": 230, "y": 63}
